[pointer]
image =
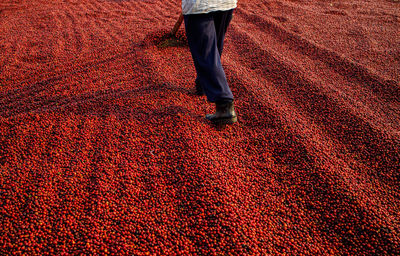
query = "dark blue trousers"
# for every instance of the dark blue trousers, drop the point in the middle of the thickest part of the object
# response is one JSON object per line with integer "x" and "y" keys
{"x": 205, "y": 34}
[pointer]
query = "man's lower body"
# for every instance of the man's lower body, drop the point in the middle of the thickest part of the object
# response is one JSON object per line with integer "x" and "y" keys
{"x": 205, "y": 34}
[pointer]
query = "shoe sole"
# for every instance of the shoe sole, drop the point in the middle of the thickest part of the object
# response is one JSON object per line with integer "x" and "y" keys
{"x": 231, "y": 120}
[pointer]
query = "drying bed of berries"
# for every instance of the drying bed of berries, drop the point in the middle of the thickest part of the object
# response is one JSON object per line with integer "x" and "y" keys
{"x": 104, "y": 148}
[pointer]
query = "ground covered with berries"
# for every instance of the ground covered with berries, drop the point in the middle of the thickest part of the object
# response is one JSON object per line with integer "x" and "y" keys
{"x": 104, "y": 148}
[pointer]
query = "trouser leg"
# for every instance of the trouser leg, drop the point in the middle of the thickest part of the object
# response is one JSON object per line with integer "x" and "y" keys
{"x": 221, "y": 22}
{"x": 203, "y": 43}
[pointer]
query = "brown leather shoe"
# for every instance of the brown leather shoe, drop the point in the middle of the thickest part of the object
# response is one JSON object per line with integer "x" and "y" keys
{"x": 224, "y": 114}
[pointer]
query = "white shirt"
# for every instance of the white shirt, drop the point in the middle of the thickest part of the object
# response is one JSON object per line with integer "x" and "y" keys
{"x": 206, "y": 6}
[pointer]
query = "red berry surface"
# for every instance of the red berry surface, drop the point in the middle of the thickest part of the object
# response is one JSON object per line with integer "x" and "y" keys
{"x": 104, "y": 148}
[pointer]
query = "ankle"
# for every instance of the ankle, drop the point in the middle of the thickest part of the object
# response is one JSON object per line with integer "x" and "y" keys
{"x": 223, "y": 101}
